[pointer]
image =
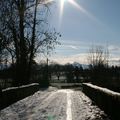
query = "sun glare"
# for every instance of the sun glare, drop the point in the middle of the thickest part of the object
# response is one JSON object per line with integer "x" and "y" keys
{"x": 62, "y": 2}
{"x": 78, "y": 6}
{"x": 62, "y": 6}
{"x": 74, "y": 3}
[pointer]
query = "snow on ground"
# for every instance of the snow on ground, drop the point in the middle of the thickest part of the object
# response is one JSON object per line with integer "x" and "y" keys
{"x": 105, "y": 90}
{"x": 54, "y": 104}
{"x": 82, "y": 108}
{"x": 23, "y": 86}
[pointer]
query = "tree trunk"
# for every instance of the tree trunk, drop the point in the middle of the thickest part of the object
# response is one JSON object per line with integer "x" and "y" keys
{"x": 22, "y": 74}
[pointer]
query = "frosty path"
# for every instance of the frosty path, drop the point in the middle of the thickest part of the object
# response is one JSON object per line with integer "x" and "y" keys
{"x": 54, "y": 104}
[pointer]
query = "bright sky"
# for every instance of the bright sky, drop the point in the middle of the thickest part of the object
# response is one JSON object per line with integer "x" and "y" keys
{"x": 84, "y": 23}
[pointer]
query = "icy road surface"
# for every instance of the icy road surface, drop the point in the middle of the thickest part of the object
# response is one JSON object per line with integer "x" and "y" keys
{"x": 54, "y": 104}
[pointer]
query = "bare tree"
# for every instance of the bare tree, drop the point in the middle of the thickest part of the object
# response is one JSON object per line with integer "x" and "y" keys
{"x": 97, "y": 56}
{"x": 3, "y": 51}
{"x": 25, "y": 27}
{"x": 98, "y": 60}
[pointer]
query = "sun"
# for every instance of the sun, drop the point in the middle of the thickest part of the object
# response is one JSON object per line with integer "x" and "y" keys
{"x": 73, "y": 2}
{"x": 62, "y": 3}
{"x": 76, "y": 5}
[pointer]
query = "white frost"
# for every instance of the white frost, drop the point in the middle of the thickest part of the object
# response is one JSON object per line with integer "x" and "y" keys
{"x": 69, "y": 105}
{"x": 53, "y": 104}
{"x": 105, "y": 90}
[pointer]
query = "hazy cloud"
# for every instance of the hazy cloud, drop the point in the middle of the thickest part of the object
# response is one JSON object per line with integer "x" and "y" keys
{"x": 113, "y": 48}
{"x": 81, "y": 58}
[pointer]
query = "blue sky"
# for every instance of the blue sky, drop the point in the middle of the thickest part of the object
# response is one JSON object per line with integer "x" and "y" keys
{"x": 98, "y": 25}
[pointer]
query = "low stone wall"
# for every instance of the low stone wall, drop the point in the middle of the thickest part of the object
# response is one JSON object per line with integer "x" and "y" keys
{"x": 106, "y": 99}
{"x": 12, "y": 95}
